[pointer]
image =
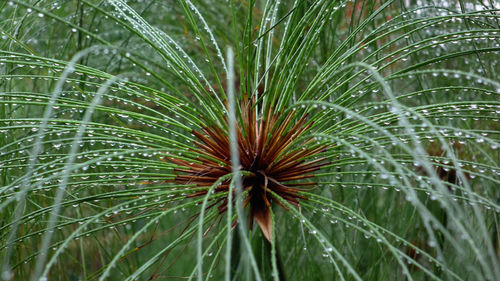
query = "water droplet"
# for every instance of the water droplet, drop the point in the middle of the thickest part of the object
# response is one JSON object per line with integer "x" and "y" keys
{"x": 6, "y": 275}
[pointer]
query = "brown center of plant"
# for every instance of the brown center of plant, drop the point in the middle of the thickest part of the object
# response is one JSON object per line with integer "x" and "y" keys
{"x": 271, "y": 154}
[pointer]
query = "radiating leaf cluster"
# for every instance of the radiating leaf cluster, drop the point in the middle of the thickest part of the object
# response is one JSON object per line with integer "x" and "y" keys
{"x": 97, "y": 95}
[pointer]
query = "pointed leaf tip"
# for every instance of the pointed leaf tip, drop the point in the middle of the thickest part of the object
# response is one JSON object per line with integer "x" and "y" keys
{"x": 263, "y": 218}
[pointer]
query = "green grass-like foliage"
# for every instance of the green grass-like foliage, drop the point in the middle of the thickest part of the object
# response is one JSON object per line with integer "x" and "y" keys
{"x": 97, "y": 97}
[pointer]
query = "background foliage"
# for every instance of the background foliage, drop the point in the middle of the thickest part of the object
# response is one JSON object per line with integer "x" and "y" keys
{"x": 97, "y": 95}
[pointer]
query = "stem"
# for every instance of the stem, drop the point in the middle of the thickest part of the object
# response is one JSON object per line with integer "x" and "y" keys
{"x": 279, "y": 262}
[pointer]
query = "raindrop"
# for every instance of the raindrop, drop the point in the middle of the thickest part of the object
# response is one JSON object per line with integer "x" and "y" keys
{"x": 6, "y": 275}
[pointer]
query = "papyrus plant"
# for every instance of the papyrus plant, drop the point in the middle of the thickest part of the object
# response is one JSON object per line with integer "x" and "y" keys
{"x": 360, "y": 136}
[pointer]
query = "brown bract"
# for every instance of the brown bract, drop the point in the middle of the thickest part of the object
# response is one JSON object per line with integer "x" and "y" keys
{"x": 269, "y": 154}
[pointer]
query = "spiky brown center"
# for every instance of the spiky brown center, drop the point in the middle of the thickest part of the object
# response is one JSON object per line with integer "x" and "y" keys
{"x": 269, "y": 154}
